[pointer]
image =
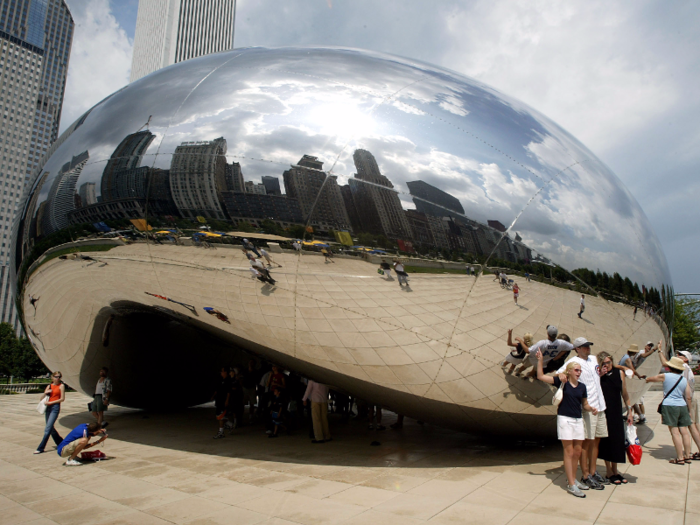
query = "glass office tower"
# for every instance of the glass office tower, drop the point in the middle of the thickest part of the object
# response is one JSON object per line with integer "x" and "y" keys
{"x": 36, "y": 38}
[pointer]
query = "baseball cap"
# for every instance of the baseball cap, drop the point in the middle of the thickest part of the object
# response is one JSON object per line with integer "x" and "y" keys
{"x": 649, "y": 343}
{"x": 552, "y": 330}
{"x": 581, "y": 341}
{"x": 686, "y": 354}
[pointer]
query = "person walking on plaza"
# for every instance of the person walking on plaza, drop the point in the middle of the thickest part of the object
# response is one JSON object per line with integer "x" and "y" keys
{"x": 570, "y": 427}
{"x": 103, "y": 391}
{"x": 595, "y": 424}
{"x": 297, "y": 246}
{"x": 57, "y": 395}
{"x": 78, "y": 440}
{"x": 386, "y": 268}
{"x": 268, "y": 258}
{"x": 675, "y": 407}
{"x": 583, "y": 306}
{"x": 249, "y": 246}
{"x": 401, "y": 274}
{"x": 327, "y": 256}
{"x": 318, "y": 395}
{"x": 516, "y": 292}
{"x": 612, "y": 448}
{"x": 221, "y": 398}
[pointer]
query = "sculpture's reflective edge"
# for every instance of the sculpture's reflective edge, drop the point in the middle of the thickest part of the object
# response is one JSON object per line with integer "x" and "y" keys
{"x": 343, "y": 145}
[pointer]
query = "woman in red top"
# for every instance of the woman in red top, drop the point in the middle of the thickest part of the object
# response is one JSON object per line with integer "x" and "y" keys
{"x": 516, "y": 292}
{"x": 57, "y": 395}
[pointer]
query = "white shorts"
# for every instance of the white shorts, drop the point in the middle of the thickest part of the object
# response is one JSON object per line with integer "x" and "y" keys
{"x": 516, "y": 295}
{"x": 510, "y": 358}
{"x": 570, "y": 428}
{"x": 595, "y": 426}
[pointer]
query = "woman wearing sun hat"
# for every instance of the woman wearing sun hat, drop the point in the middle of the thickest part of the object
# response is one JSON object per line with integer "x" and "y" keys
{"x": 675, "y": 407}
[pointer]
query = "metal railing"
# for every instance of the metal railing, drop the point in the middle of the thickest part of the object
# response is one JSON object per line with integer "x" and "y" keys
{"x": 22, "y": 388}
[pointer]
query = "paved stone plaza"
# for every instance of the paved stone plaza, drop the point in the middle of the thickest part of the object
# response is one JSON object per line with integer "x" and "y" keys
{"x": 168, "y": 469}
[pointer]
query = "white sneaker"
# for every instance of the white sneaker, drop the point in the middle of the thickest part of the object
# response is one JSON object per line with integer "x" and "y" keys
{"x": 73, "y": 463}
{"x": 575, "y": 491}
{"x": 219, "y": 435}
{"x": 581, "y": 486}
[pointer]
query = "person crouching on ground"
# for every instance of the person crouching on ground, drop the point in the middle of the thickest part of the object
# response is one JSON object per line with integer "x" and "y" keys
{"x": 78, "y": 440}
{"x": 520, "y": 352}
{"x": 570, "y": 428}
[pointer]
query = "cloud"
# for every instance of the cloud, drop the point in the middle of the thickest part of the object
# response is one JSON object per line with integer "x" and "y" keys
{"x": 100, "y": 59}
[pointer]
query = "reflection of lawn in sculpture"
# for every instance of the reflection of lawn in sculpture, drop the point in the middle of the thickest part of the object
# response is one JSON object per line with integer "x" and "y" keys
{"x": 443, "y": 341}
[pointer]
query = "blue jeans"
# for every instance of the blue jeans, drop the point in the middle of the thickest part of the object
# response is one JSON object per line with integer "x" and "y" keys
{"x": 51, "y": 416}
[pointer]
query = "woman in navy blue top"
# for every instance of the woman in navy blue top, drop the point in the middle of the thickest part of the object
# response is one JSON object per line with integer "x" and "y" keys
{"x": 570, "y": 419}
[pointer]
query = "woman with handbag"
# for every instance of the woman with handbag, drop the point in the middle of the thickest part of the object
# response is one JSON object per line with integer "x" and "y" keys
{"x": 56, "y": 393}
{"x": 675, "y": 407}
{"x": 571, "y": 398}
{"x": 612, "y": 448}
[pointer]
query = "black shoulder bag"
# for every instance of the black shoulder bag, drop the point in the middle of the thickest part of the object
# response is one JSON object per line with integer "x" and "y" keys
{"x": 669, "y": 393}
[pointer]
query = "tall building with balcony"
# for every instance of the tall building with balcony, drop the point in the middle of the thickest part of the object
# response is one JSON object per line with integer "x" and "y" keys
{"x": 197, "y": 178}
{"x": 87, "y": 193}
{"x": 433, "y": 201}
{"x": 272, "y": 185}
{"x": 35, "y": 38}
{"x": 234, "y": 178}
{"x": 170, "y": 31}
{"x": 61, "y": 199}
{"x": 377, "y": 203}
{"x": 126, "y": 157}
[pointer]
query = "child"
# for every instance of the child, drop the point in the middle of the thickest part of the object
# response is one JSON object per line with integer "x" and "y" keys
{"x": 516, "y": 292}
{"x": 516, "y": 357}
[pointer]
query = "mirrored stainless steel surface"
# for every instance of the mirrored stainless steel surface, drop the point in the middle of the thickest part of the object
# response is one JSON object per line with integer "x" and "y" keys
{"x": 119, "y": 235}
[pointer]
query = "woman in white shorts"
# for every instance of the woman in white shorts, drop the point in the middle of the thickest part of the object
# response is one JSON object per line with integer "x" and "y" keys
{"x": 570, "y": 419}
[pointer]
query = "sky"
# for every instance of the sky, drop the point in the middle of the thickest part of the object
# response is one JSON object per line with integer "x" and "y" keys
{"x": 621, "y": 77}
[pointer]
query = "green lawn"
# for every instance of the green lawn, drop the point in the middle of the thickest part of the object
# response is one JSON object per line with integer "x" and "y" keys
{"x": 81, "y": 249}
{"x": 420, "y": 269}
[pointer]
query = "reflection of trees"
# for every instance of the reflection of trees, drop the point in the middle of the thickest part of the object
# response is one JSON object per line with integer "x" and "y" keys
{"x": 686, "y": 324}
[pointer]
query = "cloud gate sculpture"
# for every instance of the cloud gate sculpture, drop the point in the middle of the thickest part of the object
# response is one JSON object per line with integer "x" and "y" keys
{"x": 130, "y": 237}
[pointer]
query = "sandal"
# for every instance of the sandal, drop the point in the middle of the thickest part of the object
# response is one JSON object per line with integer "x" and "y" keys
{"x": 677, "y": 461}
{"x": 614, "y": 479}
{"x": 623, "y": 479}
{"x": 696, "y": 456}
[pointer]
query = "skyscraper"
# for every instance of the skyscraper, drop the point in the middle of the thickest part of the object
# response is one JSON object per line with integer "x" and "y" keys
{"x": 433, "y": 201}
{"x": 197, "y": 178}
{"x": 170, "y": 31}
{"x": 378, "y": 205}
{"x": 36, "y": 38}
{"x": 272, "y": 185}
{"x": 61, "y": 197}
{"x": 234, "y": 178}
{"x": 127, "y": 156}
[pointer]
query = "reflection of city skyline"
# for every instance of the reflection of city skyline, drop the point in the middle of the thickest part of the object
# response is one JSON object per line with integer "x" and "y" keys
{"x": 201, "y": 183}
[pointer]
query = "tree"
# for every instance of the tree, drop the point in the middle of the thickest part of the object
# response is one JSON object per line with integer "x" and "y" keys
{"x": 686, "y": 320}
{"x": 245, "y": 226}
{"x": 17, "y": 356}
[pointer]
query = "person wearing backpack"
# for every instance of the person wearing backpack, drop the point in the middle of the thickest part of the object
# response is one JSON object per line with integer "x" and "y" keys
{"x": 675, "y": 407}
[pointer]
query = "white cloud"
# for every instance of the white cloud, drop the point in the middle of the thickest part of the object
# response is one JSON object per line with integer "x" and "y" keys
{"x": 100, "y": 58}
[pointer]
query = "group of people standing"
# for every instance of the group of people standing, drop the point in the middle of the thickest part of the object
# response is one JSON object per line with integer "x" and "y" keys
{"x": 401, "y": 274}
{"x": 591, "y": 417}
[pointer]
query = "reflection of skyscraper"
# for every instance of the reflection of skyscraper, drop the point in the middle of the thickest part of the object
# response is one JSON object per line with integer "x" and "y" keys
{"x": 251, "y": 187}
{"x": 308, "y": 184}
{"x": 379, "y": 209}
{"x": 197, "y": 177}
{"x": 272, "y": 185}
{"x": 126, "y": 156}
{"x": 350, "y": 207}
{"x": 283, "y": 210}
{"x": 61, "y": 198}
{"x": 438, "y": 202}
{"x": 170, "y": 31}
{"x": 420, "y": 228}
{"x": 234, "y": 178}
{"x": 87, "y": 194}
{"x": 496, "y": 225}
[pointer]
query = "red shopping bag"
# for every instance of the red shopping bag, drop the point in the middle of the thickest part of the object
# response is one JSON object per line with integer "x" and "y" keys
{"x": 634, "y": 449}
{"x": 93, "y": 455}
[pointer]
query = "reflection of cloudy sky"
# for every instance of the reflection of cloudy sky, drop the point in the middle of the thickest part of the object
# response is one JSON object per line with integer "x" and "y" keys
{"x": 491, "y": 152}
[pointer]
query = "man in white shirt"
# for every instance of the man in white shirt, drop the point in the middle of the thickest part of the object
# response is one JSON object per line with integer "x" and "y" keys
{"x": 595, "y": 426}
{"x": 550, "y": 348}
{"x": 318, "y": 395}
{"x": 583, "y": 306}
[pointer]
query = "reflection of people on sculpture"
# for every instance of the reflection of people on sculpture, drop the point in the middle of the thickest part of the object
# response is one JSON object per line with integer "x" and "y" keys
{"x": 520, "y": 352}
{"x": 612, "y": 448}
{"x": 583, "y": 306}
{"x": 249, "y": 246}
{"x": 595, "y": 424}
{"x": 33, "y": 300}
{"x": 694, "y": 428}
{"x": 550, "y": 347}
{"x": 676, "y": 407}
{"x": 516, "y": 292}
{"x": 386, "y": 268}
{"x": 268, "y": 258}
{"x": 400, "y": 273}
{"x": 260, "y": 272}
{"x": 249, "y": 255}
{"x": 570, "y": 426}
{"x": 633, "y": 359}
{"x": 327, "y": 257}
{"x": 216, "y": 313}
{"x": 560, "y": 358}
